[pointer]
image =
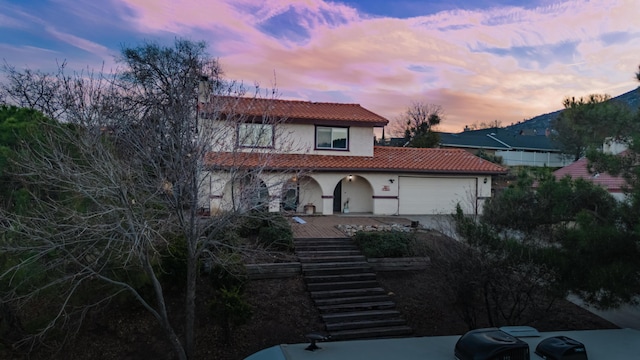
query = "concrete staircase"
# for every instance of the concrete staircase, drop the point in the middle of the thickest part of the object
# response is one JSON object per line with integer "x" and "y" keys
{"x": 345, "y": 290}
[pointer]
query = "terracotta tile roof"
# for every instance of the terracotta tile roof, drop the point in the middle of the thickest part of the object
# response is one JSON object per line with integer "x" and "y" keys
{"x": 299, "y": 111}
{"x": 385, "y": 159}
{"x": 579, "y": 169}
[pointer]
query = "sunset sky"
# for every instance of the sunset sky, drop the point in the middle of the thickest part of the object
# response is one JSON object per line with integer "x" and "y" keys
{"x": 481, "y": 60}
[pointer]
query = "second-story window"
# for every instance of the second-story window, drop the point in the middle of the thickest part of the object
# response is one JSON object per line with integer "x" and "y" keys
{"x": 332, "y": 138}
{"x": 255, "y": 135}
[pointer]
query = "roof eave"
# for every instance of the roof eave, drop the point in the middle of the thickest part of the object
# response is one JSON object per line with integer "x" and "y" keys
{"x": 368, "y": 170}
{"x": 338, "y": 122}
{"x": 473, "y": 146}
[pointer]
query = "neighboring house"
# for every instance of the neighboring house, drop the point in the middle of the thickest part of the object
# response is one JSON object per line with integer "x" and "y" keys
{"x": 321, "y": 158}
{"x": 579, "y": 169}
{"x": 515, "y": 148}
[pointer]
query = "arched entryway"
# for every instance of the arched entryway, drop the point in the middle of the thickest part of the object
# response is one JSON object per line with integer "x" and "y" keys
{"x": 309, "y": 195}
{"x": 247, "y": 193}
{"x": 353, "y": 194}
{"x": 290, "y": 200}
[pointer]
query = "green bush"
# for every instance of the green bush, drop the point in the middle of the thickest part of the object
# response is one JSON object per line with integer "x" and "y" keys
{"x": 228, "y": 274}
{"x": 231, "y": 237}
{"x": 489, "y": 157}
{"x": 250, "y": 224}
{"x": 173, "y": 262}
{"x": 276, "y": 238}
{"x": 21, "y": 273}
{"x": 377, "y": 244}
{"x": 230, "y": 309}
{"x": 272, "y": 230}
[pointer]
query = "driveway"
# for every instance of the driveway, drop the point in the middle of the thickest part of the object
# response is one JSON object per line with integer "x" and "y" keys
{"x": 626, "y": 316}
{"x": 441, "y": 223}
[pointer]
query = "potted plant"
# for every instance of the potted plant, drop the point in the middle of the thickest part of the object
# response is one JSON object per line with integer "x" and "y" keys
{"x": 345, "y": 207}
{"x": 309, "y": 209}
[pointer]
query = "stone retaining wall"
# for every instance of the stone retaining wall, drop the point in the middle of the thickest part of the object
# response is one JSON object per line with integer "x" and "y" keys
{"x": 351, "y": 230}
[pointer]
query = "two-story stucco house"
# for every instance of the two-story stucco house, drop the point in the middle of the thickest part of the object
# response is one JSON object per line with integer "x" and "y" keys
{"x": 321, "y": 158}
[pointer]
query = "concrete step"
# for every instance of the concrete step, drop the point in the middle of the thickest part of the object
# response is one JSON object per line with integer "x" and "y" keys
{"x": 334, "y": 264}
{"x": 302, "y": 242}
{"x": 331, "y": 259}
{"x": 380, "y": 332}
{"x": 351, "y": 325}
{"x": 336, "y": 268}
{"x": 336, "y": 271}
{"x": 360, "y": 315}
{"x": 340, "y": 277}
{"x": 327, "y": 253}
{"x": 342, "y": 285}
{"x": 351, "y": 299}
{"x": 346, "y": 238}
{"x": 375, "y": 305}
{"x": 328, "y": 294}
{"x": 323, "y": 240}
{"x": 329, "y": 247}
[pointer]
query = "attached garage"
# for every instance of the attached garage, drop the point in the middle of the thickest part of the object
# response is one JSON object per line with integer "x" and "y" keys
{"x": 436, "y": 195}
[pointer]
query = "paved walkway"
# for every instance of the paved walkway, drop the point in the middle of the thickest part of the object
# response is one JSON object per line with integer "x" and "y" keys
{"x": 626, "y": 316}
{"x": 325, "y": 226}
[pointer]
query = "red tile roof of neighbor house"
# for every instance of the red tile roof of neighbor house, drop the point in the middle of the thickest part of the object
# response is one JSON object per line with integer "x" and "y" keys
{"x": 294, "y": 111}
{"x": 579, "y": 169}
{"x": 385, "y": 159}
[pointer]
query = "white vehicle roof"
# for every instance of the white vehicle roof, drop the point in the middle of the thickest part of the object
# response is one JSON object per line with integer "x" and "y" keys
{"x": 610, "y": 344}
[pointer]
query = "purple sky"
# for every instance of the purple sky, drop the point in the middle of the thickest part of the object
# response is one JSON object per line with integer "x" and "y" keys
{"x": 481, "y": 60}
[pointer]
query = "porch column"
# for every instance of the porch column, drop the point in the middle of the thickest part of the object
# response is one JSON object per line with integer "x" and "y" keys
{"x": 214, "y": 191}
{"x": 274, "y": 185}
{"x": 327, "y": 204}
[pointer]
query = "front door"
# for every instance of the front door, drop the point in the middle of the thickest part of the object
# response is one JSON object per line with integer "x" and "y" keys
{"x": 337, "y": 198}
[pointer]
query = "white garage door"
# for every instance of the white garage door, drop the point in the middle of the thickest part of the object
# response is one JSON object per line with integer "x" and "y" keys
{"x": 433, "y": 195}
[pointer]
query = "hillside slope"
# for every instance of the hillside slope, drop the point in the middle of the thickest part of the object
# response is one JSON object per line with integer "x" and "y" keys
{"x": 542, "y": 122}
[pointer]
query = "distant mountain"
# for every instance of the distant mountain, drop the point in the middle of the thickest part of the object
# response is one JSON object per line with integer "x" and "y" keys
{"x": 540, "y": 123}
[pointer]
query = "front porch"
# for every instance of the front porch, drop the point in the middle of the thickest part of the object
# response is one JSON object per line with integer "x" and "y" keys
{"x": 312, "y": 194}
{"x": 328, "y": 193}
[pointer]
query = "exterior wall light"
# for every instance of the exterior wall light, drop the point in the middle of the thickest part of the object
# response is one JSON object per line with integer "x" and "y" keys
{"x": 350, "y": 178}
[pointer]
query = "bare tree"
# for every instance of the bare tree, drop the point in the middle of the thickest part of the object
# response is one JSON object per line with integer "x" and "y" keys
{"x": 493, "y": 124}
{"x": 418, "y": 119}
{"x": 123, "y": 168}
{"x": 418, "y": 123}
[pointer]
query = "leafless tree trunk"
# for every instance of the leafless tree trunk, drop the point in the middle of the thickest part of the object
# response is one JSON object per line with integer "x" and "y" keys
{"x": 419, "y": 113}
{"x": 122, "y": 171}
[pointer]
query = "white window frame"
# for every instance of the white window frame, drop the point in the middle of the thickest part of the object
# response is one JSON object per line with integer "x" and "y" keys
{"x": 335, "y": 136}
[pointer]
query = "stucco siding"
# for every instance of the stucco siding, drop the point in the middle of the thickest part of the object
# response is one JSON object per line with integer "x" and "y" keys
{"x": 295, "y": 139}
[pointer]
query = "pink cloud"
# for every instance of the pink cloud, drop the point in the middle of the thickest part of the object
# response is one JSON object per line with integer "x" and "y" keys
{"x": 476, "y": 64}
{"x": 81, "y": 43}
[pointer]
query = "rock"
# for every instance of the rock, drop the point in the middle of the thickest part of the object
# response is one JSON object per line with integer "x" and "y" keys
{"x": 351, "y": 230}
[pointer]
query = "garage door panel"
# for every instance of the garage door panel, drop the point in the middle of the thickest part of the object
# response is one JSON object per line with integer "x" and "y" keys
{"x": 434, "y": 195}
